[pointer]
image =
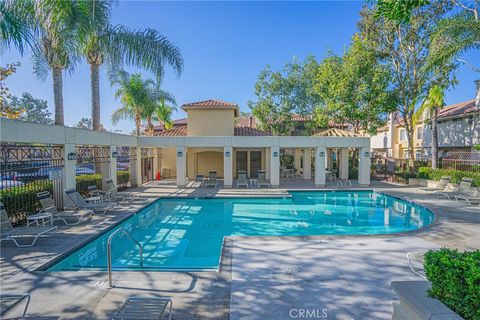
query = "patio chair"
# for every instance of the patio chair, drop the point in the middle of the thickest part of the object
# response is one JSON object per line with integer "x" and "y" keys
{"x": 94, "y": 192}
{"x": 440, "y": 186}
{"x": 462, "y": 190}
{"x": 212, "y": 179}
{"x": 115, "y": 194}
{"x": 48, "y": 205}
{"x": 419, "y": 258}
{"x": 8, "y": 232}
{"x": 138, "y": 308}
{"x": 262, "y": 180}
{"x": 200, "y": 178}
{"x": 472, "y": 196}
{"x": 80, "y": 203}
{"x": 242, "y": 180}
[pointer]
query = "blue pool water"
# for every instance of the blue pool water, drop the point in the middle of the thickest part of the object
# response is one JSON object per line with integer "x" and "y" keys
{"x": 188, "y": 233}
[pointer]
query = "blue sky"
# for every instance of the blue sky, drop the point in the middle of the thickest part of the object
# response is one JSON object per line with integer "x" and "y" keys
{"x": 224, "y": 44}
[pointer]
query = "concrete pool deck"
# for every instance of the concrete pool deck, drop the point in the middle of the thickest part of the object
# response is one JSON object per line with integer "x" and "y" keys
{"x": 349, "y": 277}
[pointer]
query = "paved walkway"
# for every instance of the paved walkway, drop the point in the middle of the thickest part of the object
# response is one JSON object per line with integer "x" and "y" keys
{"x": 336, "y": 274}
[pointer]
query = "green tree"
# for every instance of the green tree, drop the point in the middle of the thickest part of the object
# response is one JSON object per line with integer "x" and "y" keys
{"x": 134, "y": 95}
{"x": 15, "y": 29}
{"x": 159, "y": 108}
{"x": 398, "y": 11}
{"x": 355, "y": 88}
{"x": 435, "y": 102}
{"x": 102, "y": 43}
{"x": 405, "y": 50}
{"x": 84, "y": 123}
{"x": 34, "y": 110}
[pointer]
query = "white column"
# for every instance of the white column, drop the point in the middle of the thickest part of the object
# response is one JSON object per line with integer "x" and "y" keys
{"x": 320, "y": 157}
{"x": 69, "y": 177}
{"x": 113, "y": 166}
{"x": 307, "y": 163}
{"x": 297, "y": 160}
{"x": 227, "y": 167}
{"x": 181, "y": 155}
{"x": 275, "y": 166}
{"x": 364, "y": 167}
{"x": 155, "y": 163}
{"x": 267, "y": 162}
{"x": 138, "y": 166}
{"x": 343, "y": 164}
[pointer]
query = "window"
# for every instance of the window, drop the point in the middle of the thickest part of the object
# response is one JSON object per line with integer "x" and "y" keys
{"x": 419, "y": 133}
{"x": 405, "y": 154}
{"x": 403, "y": 134}
{"x": 418, "y": 155}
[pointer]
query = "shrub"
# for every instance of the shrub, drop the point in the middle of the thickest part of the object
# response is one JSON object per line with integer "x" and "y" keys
{"x": 456, "y": 175}
{"x": 83, "y": 181}
{"x": 123, "y": 177}
{"x": 455, "y": 278}
{"x": 21, "y": 201}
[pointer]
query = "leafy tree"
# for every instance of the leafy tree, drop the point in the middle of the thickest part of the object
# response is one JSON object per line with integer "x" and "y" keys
{"x": 84, "y": 123}
{"x": 435, "y": 102}
{"x": 404, "y": 49}
{"x": 399, "y": 11}
{"x": 33, "y": 110}
{"x": 355, "y": 88}
{"x": 280, "y": 94}
{"x": 272, "y": 108}
{"x": 15, "y": 30}
{"x": 102, "y": 43}
{"x": 134, "y": 95}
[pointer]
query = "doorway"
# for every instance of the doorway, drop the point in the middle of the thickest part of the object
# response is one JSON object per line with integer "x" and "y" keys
{"x": 255, "y": 163}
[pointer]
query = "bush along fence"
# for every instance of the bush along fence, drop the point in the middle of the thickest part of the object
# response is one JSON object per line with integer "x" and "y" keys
{"x": 456, "y": 175}
{"x": 123, "y": 179}
{"x": 21, "y": 201}
{"x": 455, "y": 278}
{"x": 84, "y": 181}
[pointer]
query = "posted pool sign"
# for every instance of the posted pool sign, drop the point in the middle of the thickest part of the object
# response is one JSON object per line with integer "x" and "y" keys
{"x": 55, "y": 173}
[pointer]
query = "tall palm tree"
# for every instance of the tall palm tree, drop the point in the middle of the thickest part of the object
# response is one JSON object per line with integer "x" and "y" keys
{"x": 115, "y": 46}
{"x": 48, "y": 27}
{"x": 163, "y": 114}
{"x": 435, "y": 102}
{"x": 134, "y": 94}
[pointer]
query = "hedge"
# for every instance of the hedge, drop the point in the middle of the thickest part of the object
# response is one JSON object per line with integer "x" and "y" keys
{"x": 456, "y": 175}
{"x": 83, "y": 181}
{"x": 455, "y": 278}
{"x": 21, "y": 201}
{"x": 123, "y": 177}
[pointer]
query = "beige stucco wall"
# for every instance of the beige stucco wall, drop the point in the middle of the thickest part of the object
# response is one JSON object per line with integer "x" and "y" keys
{"x": 168, "y": 160}
{"x": 202, "y": 160}
{"x": 210, "y": 122}
{"x": 400, "y": 146}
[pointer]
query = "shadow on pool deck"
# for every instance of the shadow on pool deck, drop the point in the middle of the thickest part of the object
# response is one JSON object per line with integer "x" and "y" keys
{"x": 260, "y": 273}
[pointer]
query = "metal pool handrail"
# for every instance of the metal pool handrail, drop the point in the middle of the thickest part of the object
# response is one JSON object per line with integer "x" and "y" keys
{"x": 109, "y": 251}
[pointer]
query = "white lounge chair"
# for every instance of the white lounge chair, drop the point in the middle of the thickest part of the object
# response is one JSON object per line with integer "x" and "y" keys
{"x": 200, "y": 179}
{"x": 94, "y": 192}
{"x": 419, "y": 257}
{"x": 440, "y": 186}
{"x": 212, "y": 179}
{"x": 114, "y": 193}
{"x": 80, "y": 203}
{"x": 462, "y": 190}
{"x": 262, "y": 180}
{"x": 242, "y": 180}
{"x": 472, "y": 196}
{"x": 8, "y": 232}
{"x": 49, "y": 206}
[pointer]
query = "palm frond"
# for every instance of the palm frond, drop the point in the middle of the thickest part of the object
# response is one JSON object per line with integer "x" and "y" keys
{"x": 15, "y": 26}
{"x": 146, "y": 49}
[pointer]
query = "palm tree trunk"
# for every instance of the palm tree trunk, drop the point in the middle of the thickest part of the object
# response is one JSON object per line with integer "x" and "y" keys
{"x": 58, "y": 95}
{"x": 137, "y": 123}
{"x": 95, "y": 86}
{"x": 434, "y": 139}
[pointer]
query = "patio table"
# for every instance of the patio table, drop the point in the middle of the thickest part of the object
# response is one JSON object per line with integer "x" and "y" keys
{"x": 44, "y": 217}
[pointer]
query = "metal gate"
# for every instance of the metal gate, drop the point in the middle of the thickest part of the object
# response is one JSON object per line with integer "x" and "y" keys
{"x": 92, "y": 164}
{"x": 147, "y": 164}
{"x": 26, "y": 170}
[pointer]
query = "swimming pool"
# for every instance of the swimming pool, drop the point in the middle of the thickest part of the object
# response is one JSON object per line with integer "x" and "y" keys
{"x": 188, "y": 233}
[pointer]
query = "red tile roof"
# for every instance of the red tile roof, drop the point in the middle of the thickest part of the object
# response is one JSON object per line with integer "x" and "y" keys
{"x": 238, "y": 131}
{"x": 458, "y": 109}
{"x": 178, "y": 131}
{"x": 247, "y": 122}
{"x": 212, "y": 103}
{"x": 176, "y": 123}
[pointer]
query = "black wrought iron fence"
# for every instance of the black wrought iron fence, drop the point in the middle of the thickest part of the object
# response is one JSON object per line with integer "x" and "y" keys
{"x": 26, "y": 170}
{"x": 92, "y": 164}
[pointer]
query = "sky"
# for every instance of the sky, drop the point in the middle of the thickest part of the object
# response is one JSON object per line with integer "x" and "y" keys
{"x": 225, "y": 45}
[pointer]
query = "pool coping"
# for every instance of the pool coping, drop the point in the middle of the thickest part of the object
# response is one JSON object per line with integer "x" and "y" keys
{"x": 230, "y": 239}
